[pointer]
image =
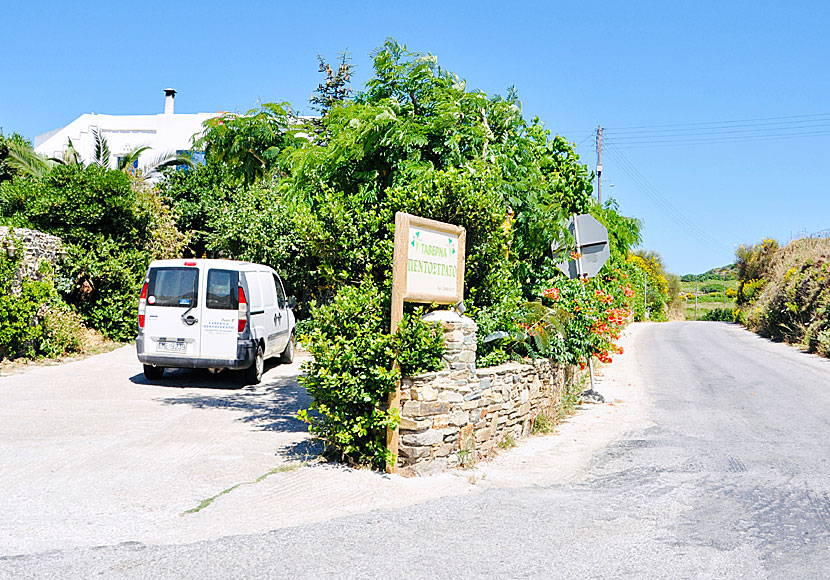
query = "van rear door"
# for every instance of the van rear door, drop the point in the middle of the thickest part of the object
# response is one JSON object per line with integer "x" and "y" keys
{"x": 171, "y": 324}
{"x": 220, "y": 314}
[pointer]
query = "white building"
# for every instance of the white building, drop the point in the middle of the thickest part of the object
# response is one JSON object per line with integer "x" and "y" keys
{"x": 163, "y": 133}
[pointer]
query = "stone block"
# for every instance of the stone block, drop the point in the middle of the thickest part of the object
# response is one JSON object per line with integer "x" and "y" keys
{"x": 434, "y": 408}
{"x": 440, "y": 422}
{"x": 450, "y": 397}
{"x": 473, "y": 396}
{"x": 425, "y": 438}
{"x": 411, "y": 424}
{"x": 428, "y": 393}
{"x": 467, "y": 356}
{"x": 444, "y": 450}
{"x": 414, "y": 452}
{"x": 459, "y": 417}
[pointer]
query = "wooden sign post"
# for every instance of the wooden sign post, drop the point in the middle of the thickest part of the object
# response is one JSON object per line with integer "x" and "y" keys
{"x": 429, "y": 268}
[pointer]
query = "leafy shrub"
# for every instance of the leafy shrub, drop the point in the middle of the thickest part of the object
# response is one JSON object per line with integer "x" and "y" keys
{"x": 419, "y": 346}
{"x": 718, "y": 315}
{"x": 351, "y": 375}
{"x": 63, "y": 331}
{"x": 33, "y": 320}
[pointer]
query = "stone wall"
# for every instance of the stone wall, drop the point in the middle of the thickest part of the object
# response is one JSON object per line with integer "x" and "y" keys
{"x": 36, "y": 246}
{"x": 460, "y": 415}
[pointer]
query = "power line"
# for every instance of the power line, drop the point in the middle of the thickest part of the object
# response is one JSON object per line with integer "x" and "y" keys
{"x": 661, "y": 202}
{"x": 724, "y": 130}
{"x": 747, "y": 121}
{"x": 692, "y": 139}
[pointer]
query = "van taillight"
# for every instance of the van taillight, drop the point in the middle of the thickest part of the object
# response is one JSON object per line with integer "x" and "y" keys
{"x": 243, "y": 311}
{"x": 142, "y": 305}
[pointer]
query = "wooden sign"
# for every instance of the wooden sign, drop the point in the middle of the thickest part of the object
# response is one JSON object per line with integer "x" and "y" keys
{"x": 428, "y": 267}
{"x": 428, "y": 264}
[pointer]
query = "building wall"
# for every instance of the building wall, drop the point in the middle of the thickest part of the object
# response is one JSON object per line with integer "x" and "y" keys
{"x": 163, "y": 133}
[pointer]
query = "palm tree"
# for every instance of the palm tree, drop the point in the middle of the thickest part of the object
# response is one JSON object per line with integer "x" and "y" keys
{"x": 26, "y": 162}
{"x": 31, "y": 164}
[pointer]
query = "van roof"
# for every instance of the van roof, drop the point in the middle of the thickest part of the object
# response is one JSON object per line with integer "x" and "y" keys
{"x": 200, "y": 262}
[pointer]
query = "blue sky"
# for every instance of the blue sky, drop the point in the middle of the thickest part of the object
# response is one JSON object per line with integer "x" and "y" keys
{"x": 716, "y": 113}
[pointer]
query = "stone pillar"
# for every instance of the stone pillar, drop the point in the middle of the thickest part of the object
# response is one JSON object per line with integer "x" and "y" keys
{"x": 460, "y": 339}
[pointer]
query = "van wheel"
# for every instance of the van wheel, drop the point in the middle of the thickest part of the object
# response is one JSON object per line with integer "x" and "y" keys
{"x": 253, "y": 374}
{"x": 287, "y": 356}
{"x": 152, "y": 373}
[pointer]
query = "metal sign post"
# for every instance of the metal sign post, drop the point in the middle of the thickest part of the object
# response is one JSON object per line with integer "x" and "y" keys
{"x": 579, "y": 273}
{"x": 592, "y": 252}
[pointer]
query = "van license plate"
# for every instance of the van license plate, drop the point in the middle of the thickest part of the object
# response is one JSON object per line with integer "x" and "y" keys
{"x": 169, "y": 346}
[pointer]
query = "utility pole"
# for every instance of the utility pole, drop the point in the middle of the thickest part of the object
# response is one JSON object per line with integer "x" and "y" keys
{"x": 696, "y": 298}
{"x": 599, "y": 164}
{"x": 723, "y": 289}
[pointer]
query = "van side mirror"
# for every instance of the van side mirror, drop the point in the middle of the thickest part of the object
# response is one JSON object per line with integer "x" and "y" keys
{"x": 292, "y": 302}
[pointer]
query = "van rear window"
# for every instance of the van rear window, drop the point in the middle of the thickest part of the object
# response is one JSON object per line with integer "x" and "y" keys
{"x": 222, "y": 290}
{"x": 173, "y": 287}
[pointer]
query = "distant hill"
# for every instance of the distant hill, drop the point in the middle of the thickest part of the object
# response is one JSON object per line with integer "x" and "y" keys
{"x": 729, "y": 272}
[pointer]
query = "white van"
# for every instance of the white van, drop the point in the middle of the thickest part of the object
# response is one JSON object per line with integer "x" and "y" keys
{"x": 213, "y": 314}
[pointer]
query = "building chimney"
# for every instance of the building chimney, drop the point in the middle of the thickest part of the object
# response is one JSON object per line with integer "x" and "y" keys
{"x": 169, "y": 95}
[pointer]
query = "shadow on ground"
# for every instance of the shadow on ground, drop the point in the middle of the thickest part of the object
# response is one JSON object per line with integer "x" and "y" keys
{"x": 269, "y": 406}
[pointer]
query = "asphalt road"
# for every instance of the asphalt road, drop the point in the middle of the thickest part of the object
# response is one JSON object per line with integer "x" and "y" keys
{"x": 727, "y": 476}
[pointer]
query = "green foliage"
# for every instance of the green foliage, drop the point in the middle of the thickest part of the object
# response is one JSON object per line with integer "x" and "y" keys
{"x": 784, "y": 292}
{"x": 336, "y": 88}
{"x": 754, "y": 268}
{"x": 249, "y": 145}
{"x": 10, "y": 146}
{"x": 419, "y": 346}
{"x": 507, "y": 442}
{"x": 322, "y": 207}
{"x": 200, "y": 197}
{"x": 650, "y": 281}
{"x": 33, "y": 320}
{"x": 351, "y": 375}
{"x": 77, "y": 203}
{"x": 542, "y": 425}
{"x": 718, "y": 315}
{"x": 111, "y": 226}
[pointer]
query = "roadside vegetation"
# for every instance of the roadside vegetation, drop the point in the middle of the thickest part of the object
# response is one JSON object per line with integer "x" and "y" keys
{"x": 316, "y": 200}
{"x": 784, "y": 292}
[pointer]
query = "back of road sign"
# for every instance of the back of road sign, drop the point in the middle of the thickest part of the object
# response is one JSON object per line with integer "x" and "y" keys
{"x": 592, "y": 244}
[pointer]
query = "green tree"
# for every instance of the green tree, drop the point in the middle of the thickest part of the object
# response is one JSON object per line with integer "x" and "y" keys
{"x": 336, "y": 88}
{"x": 249, "y": 145}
